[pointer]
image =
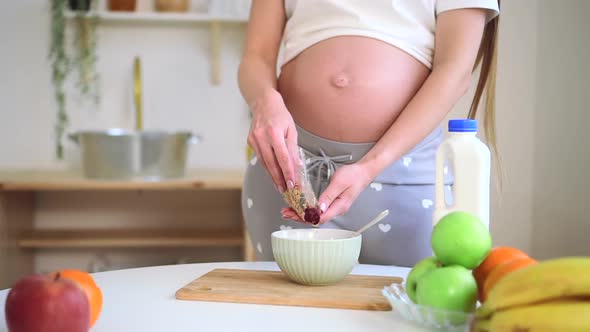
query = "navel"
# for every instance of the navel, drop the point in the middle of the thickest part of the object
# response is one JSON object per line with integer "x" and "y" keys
{"x": 340, "y": 80}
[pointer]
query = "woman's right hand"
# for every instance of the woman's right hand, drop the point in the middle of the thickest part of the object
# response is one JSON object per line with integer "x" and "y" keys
{"x": 273, "y": 137}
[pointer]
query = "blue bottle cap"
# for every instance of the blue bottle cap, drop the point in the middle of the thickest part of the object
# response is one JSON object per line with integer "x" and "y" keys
{"x": 462, "y": 125}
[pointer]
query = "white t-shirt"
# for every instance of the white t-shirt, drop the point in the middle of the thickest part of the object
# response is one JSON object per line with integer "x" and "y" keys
{"x": 406, "y": 24}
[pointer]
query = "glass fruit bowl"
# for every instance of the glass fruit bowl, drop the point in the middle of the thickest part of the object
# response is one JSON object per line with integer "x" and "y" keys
{"x": 446, "y": 320}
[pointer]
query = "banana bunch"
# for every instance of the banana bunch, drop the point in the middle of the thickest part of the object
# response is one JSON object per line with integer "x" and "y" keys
{"x": 553, "y": 295}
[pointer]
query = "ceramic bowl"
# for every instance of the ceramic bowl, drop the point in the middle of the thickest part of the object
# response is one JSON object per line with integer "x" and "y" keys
{"x": 316, "y": 256}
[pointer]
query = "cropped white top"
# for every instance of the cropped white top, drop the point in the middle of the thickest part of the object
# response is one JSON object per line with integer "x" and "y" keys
{"x": 406, "y": 24}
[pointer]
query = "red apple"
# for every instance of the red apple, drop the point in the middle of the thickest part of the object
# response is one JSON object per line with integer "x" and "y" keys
{"x": 40, "y": 303}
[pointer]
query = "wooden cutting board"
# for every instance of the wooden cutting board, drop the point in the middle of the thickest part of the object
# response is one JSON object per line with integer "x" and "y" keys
{"x": 360, "y": 292}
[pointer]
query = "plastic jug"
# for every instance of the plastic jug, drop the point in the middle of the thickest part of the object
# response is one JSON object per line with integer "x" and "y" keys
{"x": 469, "y": 159}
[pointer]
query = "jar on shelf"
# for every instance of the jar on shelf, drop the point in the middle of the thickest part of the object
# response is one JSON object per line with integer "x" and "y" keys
{"x": 122, "y": 5}
{"x": 171, "y": 5}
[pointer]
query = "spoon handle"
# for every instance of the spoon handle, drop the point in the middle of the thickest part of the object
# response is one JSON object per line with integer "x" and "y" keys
{"x": 377, "y": 219}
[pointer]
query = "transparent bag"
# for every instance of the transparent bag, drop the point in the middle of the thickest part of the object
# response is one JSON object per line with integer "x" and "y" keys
{"x": 301, "y": 198}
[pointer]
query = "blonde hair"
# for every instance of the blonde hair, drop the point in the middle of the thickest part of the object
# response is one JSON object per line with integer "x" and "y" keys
{"x": 487, "y": 59}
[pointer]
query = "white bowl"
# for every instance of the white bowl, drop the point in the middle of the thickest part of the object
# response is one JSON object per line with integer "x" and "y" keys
{"x": 316, "y": 256}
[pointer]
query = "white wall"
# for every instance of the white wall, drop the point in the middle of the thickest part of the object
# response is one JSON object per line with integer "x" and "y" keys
{"x": 177, "y": 90}
{"x": 561, "y": 192}
{"x": 511, "y": 206}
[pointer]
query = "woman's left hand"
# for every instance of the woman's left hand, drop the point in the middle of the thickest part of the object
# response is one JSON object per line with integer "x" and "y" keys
{"x": 345, "y": 186}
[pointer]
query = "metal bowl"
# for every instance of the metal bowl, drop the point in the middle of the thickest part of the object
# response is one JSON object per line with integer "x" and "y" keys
{"x": 121, "y": 154}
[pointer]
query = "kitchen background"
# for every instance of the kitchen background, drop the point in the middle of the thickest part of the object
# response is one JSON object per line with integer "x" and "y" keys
{"x": 543, "y": 81}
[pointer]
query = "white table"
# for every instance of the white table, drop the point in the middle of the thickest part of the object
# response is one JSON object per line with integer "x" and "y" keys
{"x": 143, "y": 300}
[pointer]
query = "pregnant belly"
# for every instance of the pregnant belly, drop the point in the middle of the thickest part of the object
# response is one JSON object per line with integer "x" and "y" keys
{"x": 350, "y": 89}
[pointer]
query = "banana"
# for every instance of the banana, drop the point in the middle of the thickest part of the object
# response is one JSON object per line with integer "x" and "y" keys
{"x": 545, "y": 281}
{"x": 562, "y": 316}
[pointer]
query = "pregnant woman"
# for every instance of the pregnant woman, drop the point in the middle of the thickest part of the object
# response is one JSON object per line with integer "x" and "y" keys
{"x": 362, "y": 87}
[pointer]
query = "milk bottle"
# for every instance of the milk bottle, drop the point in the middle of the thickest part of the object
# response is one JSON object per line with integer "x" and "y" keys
{"x": 469, "y": 159}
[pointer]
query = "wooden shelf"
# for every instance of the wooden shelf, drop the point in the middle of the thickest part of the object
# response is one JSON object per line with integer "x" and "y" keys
{"x": 46, "y": 180}
{"x": 145, "y": 17}
{"x": 141, "y": 238}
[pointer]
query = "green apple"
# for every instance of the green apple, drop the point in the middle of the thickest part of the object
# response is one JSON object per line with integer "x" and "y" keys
{"x": 460, "y": 238}
{"x": 418, "y": 271}
{"x": 450, "y": 288}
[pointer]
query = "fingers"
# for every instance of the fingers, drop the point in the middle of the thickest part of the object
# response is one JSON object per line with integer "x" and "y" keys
{"x": 289, "y": 213}
{"x": 254, "y": 145}
{"x": 276, "y": 148}
{"x": 258, "y": 138}
{"x": 272, "y": 166}
{"x": 293, "y": 149}
{"x": 339, "y": 207}
{"x": 333, "y": 191}
{"x": 335, "y": 200}
{"x": 282, "y": 155}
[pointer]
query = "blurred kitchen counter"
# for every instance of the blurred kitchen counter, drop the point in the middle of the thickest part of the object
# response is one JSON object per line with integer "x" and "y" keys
{"x": 40, "y": 180}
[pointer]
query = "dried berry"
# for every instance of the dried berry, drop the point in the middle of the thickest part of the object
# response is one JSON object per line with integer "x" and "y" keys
{"x": 312, "y": 215}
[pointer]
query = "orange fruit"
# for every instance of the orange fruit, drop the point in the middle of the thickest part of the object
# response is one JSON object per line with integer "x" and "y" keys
{"x": 496, "y": 257}
{"x": 503, "y": 270}
{"x": 87, "y": 283}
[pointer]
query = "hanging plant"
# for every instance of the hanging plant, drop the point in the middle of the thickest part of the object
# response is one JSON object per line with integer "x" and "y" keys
{"x": 60, "y": 68}
{"x": 83, "y": 59}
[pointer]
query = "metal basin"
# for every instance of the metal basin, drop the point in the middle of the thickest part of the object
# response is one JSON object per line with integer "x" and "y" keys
{"x": 146, "y": 154}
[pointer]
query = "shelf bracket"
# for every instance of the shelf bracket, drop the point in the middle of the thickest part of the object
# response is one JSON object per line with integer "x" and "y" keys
{"x": 215, "y": 51}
